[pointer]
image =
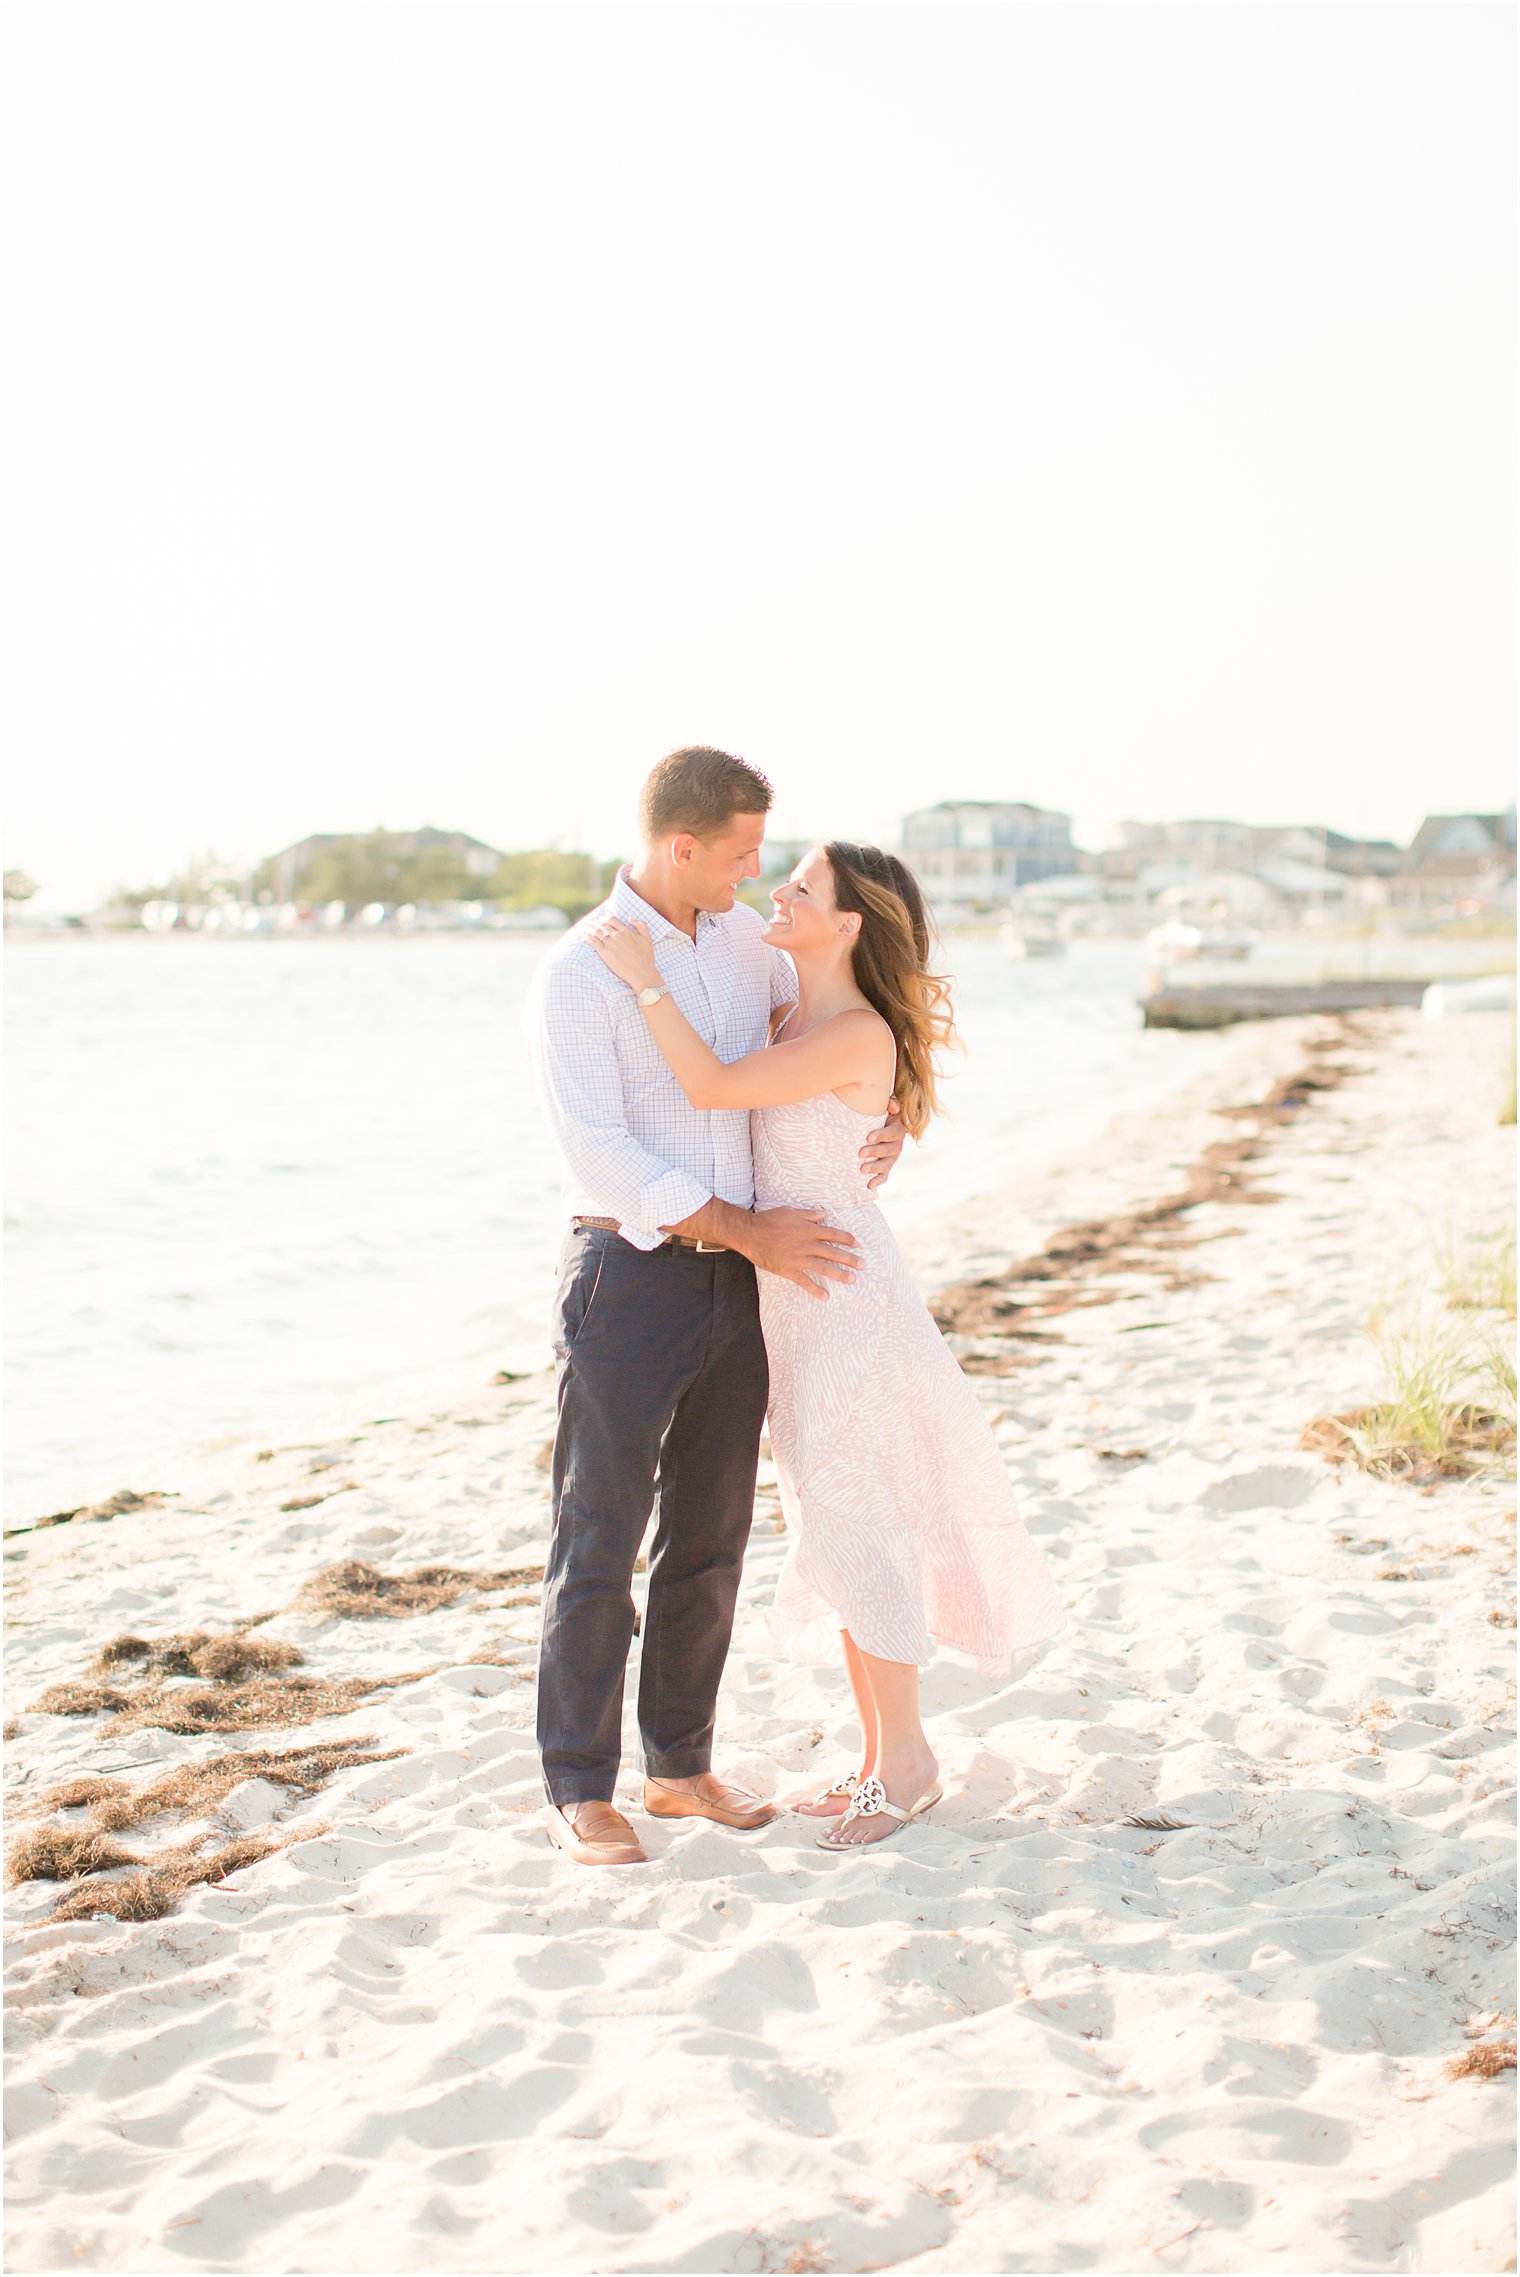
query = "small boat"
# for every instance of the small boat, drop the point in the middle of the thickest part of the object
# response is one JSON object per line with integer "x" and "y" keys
{"x": 1232, "y": 948}
{"x": 1028, "y": 940}
{"x": 1492, "y": 992}
{"x": 1172, "y": 941}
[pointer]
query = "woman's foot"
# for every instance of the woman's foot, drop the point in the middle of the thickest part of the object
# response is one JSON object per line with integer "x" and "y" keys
{"x": 831, "y": 1802}
{"x": 910, "y": 1785}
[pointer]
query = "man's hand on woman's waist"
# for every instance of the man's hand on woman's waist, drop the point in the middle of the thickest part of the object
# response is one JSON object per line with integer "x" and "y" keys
{"x": 795, "y": 1245}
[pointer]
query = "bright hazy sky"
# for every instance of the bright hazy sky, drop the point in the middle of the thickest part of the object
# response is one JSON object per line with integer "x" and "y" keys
{"x": 437, "y": 412}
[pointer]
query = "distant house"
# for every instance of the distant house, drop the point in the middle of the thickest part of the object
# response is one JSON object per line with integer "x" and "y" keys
{"x": 1213, "y": 845}
{"x": 975, "y": 853}
{"x": 290, "y": 869}
{"x": 1181, "y": 846}
{"x": 1456, "y": 858}
{"x": 1304, "y": 885}
{"x": 1310, "y": 846}
{"x": 1487, "y": 836}
{"x": 1236, "y": 894}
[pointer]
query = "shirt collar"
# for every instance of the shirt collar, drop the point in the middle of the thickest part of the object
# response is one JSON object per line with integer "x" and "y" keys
{"x": 634, "y": 909}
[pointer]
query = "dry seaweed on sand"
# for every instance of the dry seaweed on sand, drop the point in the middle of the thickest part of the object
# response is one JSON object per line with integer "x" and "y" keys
{"x": 257, "y": 1704}
{"x": 1060, "y": 1279}
{"x": 195, "y": 1789}
{"x": 250, "y": 1706}
{"x": 220, "y": 1659}
{"x": 85, "y": 1513}
{"x": 79, "y": 1700}
{"x": 155, "y": 1890}
{"x": 358, "y": 1591}
{"x": 1486, "y": 2062}
{"x": 70, "y": 1795}
{"x": 61, "y": 1854}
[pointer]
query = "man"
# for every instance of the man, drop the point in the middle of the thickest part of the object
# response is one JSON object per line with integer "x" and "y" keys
{"x": 662, "y": 1372}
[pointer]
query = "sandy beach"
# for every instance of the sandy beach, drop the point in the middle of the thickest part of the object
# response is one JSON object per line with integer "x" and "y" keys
{"x": 1202, "y": 1965}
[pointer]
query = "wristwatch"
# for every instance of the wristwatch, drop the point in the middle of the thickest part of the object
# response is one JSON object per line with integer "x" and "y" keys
{"x": 649, "y": 996}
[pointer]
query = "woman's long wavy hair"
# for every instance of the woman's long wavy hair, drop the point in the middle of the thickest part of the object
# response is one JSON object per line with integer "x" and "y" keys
{"x": 892, "y": 952}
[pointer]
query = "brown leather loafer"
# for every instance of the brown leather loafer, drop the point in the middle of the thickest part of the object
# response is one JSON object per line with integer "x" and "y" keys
{"x": 710, "y": 1798}
{"x": 594, "y": 1834}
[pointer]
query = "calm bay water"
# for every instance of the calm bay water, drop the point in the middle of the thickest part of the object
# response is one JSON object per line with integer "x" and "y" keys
{"x": 273, "y": 1187}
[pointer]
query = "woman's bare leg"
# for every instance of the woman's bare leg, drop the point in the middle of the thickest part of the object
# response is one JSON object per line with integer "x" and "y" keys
{"x": 865, "y": 1707}
{"x": 865, "y": 1702}
{"x": 902, "y": 1758}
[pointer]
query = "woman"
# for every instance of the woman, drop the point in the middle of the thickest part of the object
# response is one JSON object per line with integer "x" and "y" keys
{"x": 903, "y": 1522}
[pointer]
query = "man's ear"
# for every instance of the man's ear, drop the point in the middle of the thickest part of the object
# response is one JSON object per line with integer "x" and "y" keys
{"x": 682, "y": 847}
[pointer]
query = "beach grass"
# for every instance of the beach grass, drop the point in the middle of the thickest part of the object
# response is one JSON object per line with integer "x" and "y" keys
{"x": 1476, "y": 1271}
{"x": 1446, "y": 1404}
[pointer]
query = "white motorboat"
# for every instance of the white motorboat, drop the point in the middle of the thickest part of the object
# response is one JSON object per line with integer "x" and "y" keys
{"x": 1026, "y": 940}
{"x": 1172, "y": 941}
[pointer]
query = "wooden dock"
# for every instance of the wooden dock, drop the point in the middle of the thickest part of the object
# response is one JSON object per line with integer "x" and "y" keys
{"x": 1219, "y": 1006}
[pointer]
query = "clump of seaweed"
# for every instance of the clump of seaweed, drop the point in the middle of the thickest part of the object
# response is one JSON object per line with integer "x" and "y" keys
{"x": 1485, "y": 2062}
{"x": 71, "y": 1795}
{"x": 156, "y": 1890}
{"x": 222, "y": 1659}
{"x": 79, "y": 1700}
{"x": 247, "y": 1706}
{"x": 195, "y": 1789}
{"x": 60, "y": 1854}
{"x": 85, "y": 1513}
{"x": 356, "y": 1591}
{"x": 256, "y": 1704}
{"x": 1007, "y": 1314}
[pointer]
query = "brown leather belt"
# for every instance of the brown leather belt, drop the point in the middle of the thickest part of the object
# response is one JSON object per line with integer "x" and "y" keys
{"x": 671, "y": 1241}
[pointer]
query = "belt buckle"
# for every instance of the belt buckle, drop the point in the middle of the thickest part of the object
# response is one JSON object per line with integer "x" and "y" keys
{"x": 712, "y": 1248}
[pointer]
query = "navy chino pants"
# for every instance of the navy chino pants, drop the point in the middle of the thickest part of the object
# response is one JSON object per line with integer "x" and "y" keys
{"x": 662, "y": 1390}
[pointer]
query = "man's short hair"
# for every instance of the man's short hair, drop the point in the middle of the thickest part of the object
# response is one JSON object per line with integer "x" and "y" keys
{"x": 700, "y": 790}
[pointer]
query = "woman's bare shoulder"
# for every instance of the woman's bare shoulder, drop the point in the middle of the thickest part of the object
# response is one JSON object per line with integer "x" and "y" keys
{"x": 866, "y": 1030}
{"x": 868, "y": 1017}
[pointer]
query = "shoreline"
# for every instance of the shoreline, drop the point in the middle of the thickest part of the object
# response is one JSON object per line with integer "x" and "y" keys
{"x": 190, "y": 1330}
{"x": 1136, "y": 1148}
{"x": 1215, "y": 1901}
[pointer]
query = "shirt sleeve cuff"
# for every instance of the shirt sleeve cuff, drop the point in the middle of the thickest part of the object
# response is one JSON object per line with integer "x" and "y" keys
{"x": 664, "y": 1202}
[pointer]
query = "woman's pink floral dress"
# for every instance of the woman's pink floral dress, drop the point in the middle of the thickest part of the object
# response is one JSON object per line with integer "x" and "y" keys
{"x": 903, "y": 1522}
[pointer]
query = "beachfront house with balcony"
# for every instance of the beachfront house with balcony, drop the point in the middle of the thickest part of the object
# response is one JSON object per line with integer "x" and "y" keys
{"x": 975, "y": 854}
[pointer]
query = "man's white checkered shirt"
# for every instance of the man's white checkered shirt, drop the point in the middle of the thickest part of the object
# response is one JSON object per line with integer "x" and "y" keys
{"x": 633, "y": 1146}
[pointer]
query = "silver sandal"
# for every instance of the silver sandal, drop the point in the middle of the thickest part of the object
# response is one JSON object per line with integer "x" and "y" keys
{"x": 811, "y": 1806}
{"x": 869, "y": 1799}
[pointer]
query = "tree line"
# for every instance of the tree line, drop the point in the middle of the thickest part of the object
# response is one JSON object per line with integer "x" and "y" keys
{"x": 376, "y": 866}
